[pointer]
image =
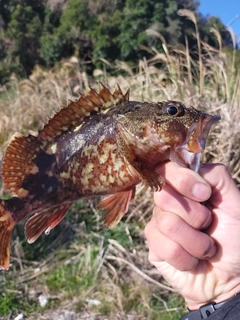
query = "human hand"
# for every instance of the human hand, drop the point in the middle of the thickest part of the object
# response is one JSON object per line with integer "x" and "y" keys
{"x": 196, "y": 247}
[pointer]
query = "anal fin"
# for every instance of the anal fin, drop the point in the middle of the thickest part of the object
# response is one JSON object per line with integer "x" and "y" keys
{"x": 115, "y": 206}
{"x": 45, "y": 221}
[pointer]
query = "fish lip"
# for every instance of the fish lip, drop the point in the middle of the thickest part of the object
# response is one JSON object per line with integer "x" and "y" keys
{"x": 188, "y": 154}
{"x": 199, "y": 132}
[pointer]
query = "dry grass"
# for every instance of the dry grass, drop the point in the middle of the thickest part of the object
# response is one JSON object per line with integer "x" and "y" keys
{"x": 212, "y": 83}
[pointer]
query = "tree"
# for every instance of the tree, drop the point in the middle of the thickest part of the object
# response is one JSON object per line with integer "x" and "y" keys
{"x": 45, "y": 31}
{"x": 23, "y": 23}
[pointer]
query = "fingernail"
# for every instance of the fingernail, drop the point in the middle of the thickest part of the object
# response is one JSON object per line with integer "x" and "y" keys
{"x": 201, "y": 191}
{"x": 211, "y": 253}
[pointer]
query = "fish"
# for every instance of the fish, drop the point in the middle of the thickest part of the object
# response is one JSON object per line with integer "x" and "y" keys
{"x": 102, "y": 144}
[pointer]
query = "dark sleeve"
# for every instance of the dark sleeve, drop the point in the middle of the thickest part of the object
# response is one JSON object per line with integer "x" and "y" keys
{"x": 229, "y": 310}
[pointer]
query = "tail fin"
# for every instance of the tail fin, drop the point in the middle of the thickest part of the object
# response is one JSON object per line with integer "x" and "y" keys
{"x": 7, "y": 224}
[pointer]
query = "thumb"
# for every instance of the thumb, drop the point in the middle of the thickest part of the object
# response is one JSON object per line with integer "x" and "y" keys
{"x": 224, "y": 190}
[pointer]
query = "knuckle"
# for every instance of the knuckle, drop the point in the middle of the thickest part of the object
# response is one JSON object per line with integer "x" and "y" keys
{"x": 201, "y": 219}
{"x": 168, "y": 200}
{"x": 189, "y": 265}
{"x": 147, "y": 230}
{"x": 156, "y": 211}
{"x": 181, "y": 181}
{"x": 152, "y": 223}
{"x": 170, "y": 224}
{"x": 180, "y": 258}
{"x": 174, "y": 252}
{"x": 222, "y": 169}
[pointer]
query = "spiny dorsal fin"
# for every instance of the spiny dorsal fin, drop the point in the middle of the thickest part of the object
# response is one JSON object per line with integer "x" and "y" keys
{"x": 77, "y": 112}
{"x": 17, "y": 161}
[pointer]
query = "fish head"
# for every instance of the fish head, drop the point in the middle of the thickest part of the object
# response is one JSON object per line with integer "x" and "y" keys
{"x": 156, "y": 132}
{"x": 185, "y": 131}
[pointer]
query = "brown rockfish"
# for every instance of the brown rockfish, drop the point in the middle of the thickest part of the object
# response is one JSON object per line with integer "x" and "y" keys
{"x": 101, "y": 144}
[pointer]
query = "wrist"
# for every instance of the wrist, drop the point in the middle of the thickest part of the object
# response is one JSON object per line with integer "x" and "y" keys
{"x": 227, "y": 293}
{"x": 205, "y": 311}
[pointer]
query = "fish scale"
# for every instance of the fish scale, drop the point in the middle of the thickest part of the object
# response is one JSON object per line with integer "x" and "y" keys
{"x": 101, "y": 144}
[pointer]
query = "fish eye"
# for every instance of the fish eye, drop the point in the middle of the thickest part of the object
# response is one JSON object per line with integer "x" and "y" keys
{"x": 176, "y": 110}
{"x": 172, "y": 110}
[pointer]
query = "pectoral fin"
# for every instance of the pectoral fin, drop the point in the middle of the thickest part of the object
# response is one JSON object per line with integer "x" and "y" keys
{"x": 45, "y": 221}
{"x": 128, "y": 145}
{"x": 115, "y": 206}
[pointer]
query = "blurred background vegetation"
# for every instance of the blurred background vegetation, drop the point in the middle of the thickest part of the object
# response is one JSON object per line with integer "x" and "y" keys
{"x": 45, "y": 32}
{"x": 49, "y": 51}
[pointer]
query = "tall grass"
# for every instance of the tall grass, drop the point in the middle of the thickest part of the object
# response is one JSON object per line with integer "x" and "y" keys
{"x": 211, "y": 83}
{"x": 96, "y": 264}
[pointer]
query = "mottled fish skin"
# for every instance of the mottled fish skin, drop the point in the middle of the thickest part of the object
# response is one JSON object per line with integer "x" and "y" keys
{"x": 91, "y": 161}
{"x": 101, "y": 144}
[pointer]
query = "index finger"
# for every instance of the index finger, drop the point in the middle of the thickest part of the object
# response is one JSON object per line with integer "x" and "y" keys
{"x": 185, "y": 181}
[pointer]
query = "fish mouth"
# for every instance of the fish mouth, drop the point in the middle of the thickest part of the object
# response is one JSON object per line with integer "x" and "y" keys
{"x": 188, "y": 154}
{"x": 198, "y": 133}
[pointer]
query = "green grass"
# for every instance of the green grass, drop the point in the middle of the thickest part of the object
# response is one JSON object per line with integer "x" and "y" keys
{"x": 14, "y": 299}
{"x": 78, "y": 269}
